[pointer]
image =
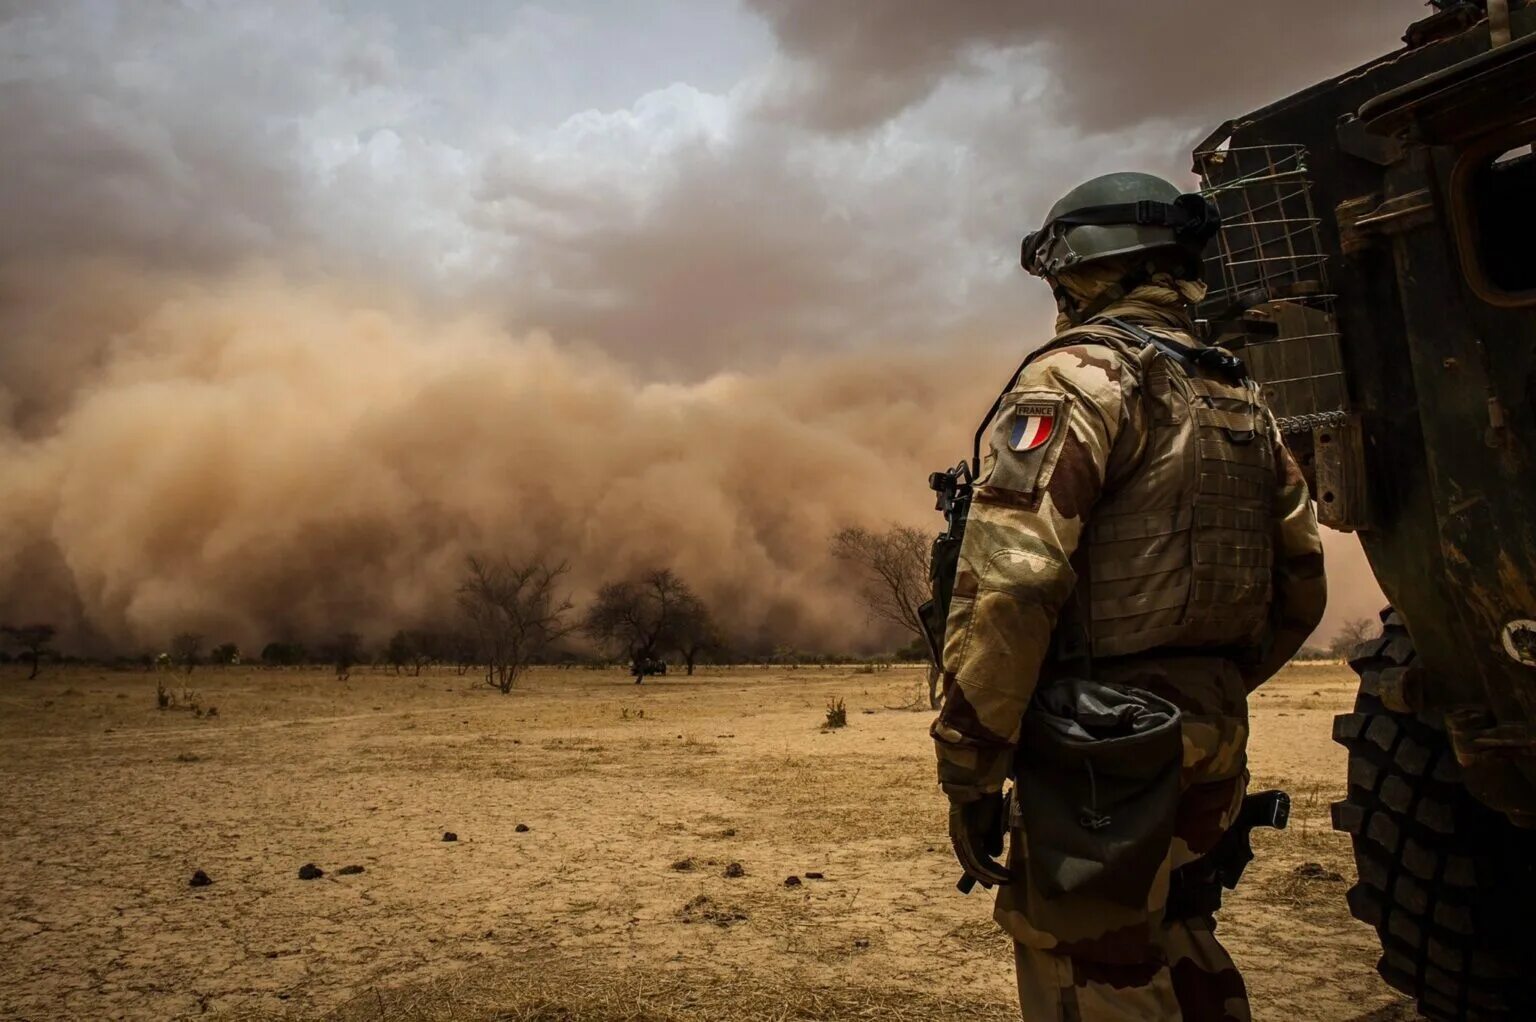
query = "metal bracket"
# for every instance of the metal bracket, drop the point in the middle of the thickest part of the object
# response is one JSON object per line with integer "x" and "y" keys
{"x": 1364, "y": 219}
{"x": 1339, "y": 469}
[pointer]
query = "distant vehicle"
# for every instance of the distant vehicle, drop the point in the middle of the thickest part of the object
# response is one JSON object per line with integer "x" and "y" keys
{"x": 1378, "y": 270}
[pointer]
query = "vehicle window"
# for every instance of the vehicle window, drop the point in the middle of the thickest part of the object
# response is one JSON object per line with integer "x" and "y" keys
{"x": 1502, "y": 204}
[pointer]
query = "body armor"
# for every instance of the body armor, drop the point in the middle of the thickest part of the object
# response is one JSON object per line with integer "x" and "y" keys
{"x": 1179, "y": 551}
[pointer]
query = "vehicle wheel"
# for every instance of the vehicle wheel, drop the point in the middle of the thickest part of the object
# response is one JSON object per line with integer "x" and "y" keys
{"x": 1449, "y": 885}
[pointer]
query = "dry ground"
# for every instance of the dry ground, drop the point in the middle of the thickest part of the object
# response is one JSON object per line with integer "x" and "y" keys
{"x": 613, "y": 904}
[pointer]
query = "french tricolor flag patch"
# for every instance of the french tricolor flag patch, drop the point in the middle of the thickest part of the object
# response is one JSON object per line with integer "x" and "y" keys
{"x": 1032, "y": 426}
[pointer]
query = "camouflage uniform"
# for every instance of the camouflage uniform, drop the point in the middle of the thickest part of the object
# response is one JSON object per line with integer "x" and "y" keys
{"x": 1204, "y": 575}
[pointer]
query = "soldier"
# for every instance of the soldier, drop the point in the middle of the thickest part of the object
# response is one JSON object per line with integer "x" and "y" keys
{"x": 1136, "y": 520}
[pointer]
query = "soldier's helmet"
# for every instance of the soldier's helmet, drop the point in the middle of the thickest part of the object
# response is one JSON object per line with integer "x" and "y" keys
{"x": 1123, "y": 214}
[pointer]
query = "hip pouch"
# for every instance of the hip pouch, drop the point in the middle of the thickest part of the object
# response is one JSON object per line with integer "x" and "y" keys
{"x": 1097, "y": 789}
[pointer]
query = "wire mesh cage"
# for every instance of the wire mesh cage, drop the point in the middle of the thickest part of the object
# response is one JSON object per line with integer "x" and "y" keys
{"x": 1269, "y": 270}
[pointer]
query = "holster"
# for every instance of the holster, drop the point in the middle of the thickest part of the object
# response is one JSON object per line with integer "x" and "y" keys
{"x": 1097, "y": 789}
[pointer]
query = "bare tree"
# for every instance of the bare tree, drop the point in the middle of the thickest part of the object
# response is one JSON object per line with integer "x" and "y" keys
{"x": 459, "y": 646}
{"x": 641, "y": 618}
{"x": 1351, "y": 634}
{"x": 414, "y": 648}
{"x": 515, "y": 613}
{"x": 398, "y": 650}
{"x": 186, "y": 650}
{"x": 344, "y": 651}
{"x": 892, "y": 571}
{"x": 696, "y": 631}
{"x": 33, "y": 640}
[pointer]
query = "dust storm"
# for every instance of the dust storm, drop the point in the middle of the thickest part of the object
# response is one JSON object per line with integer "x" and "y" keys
{"x": 246, "y": 457}
{"x": 250, "y": 457}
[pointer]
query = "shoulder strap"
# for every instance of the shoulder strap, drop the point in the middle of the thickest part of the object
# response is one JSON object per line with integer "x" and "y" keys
{"x": 1217, "y": 360}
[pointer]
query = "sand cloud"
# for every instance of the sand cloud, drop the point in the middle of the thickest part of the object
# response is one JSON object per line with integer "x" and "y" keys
{"x": 300, "y": 301}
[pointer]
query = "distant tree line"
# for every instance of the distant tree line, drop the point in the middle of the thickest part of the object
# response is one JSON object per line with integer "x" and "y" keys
{"x": 507, "y": 615}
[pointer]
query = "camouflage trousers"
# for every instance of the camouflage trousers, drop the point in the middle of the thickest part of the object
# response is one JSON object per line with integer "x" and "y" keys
{"x": 1196, "y": 982}
{"x": 1086, "y": 961}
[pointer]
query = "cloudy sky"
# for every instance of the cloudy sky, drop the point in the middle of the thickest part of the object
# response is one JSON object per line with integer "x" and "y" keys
{"x": 680, "y": 191}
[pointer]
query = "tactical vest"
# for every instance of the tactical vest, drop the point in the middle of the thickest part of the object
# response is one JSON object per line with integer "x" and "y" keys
{"x": 1179, "y": 550}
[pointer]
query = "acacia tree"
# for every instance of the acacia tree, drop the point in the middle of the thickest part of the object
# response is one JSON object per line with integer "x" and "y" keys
{"x": 344, "y": 651}
{"x": 892, "y": 571}
{"x": 515, "y": 613}
{"x": 1351, "y": 634}
{"x": 642, "y": 617}
{"x": 186, "y": 650}
{"x": 414, "y": 648}
{"x": 33, "y": 640}
{"x": 696, "y": 632}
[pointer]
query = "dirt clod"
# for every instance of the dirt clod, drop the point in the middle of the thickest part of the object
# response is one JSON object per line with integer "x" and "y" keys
{"x": 683, "y": 865}
{"x": 200, "y": 879}
{"x": 1317, "y": 871}
{"x": 449, "y": 835}
{"x": 309, "y": 871}
{"x": 735, "y": 870}
{"x": 350, "y": 871}
{"x": 704, "y": 909}
{"x": 813, "y": 875}
{"x": 791, "y": 881}
{"x": 521, "y": 828}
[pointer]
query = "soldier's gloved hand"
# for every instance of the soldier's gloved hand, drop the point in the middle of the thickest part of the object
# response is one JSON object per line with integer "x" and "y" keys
{"x": 976, "y": 828}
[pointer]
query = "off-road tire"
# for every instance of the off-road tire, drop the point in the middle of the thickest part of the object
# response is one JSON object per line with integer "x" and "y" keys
{"x": 1449, "y": 885}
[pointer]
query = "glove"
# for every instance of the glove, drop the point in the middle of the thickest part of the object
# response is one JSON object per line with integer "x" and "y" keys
{"x": 976, "y": 831}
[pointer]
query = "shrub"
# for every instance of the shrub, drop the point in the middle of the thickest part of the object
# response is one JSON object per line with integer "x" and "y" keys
{"x": 837, "y": 714}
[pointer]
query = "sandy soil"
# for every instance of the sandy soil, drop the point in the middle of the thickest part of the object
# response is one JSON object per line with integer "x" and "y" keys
{"x": 614, "y": 902}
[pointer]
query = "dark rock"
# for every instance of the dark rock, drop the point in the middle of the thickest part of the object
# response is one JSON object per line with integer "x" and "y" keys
{"x": 349, "y": 871}
{"x": 683, "y": 865}
{"x": 521, "y": 828}
{"x": 449, "y": 835}
{"x": 1317, "y": 871}
{"x": 199, "y": 879}
{"x": 735, "y": 870}
{"x": 813, "y": 875}
{"x": 309, "y": 871}
{"x": 791, "y": 881}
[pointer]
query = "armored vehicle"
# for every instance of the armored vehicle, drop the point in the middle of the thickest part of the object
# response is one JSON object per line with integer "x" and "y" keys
{"x": 1377, "y": 268}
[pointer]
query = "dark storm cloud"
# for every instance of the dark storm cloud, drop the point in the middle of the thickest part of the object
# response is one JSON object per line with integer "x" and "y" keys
{"x": 1116, "y": 62}
{"x": 754, "y": 243}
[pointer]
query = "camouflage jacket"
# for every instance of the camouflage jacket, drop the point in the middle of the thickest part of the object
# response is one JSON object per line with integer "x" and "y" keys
{"x": 1070, "y": 436}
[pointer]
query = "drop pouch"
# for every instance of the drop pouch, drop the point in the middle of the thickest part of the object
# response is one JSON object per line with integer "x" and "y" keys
{"x": 1097, "y": 789}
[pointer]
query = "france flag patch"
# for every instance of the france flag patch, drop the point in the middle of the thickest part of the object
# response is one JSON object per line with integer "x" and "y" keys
{"x": 1033, "y": 425}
